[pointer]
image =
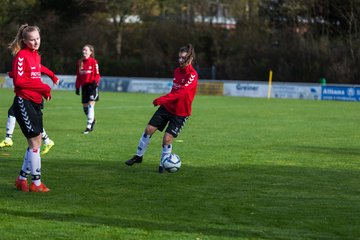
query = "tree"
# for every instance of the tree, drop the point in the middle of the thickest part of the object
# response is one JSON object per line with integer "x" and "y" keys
{"x": 118, "y": 11}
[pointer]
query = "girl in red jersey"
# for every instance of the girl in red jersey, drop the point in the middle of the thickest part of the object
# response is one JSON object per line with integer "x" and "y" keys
{"x": 10, "y": 124}
{"x": 175, "y": 107}
{"x": 29, "y": 93}
{"x": 88, "y": 78}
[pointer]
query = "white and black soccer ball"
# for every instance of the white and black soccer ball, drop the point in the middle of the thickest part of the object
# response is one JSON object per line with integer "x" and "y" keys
{"x": 171, "y": 162}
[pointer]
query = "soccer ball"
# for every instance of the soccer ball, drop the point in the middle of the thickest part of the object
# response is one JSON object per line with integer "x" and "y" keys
{"x": 171, "y": 162}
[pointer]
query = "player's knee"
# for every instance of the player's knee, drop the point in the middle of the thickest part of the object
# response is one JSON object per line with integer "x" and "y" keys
{"x": 35, "y": 142}
{"x": 149, "y": 130}
{"x": 168, "y": 139}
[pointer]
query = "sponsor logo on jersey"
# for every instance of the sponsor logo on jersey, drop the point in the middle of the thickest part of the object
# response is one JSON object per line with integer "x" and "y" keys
{"x": 35, "y": 74}
{"x": 83, "y": 71}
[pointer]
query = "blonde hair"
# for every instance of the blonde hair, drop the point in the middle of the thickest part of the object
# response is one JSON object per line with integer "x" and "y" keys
{"x": 18, "y": 43}
{"x": 92, "y": 49}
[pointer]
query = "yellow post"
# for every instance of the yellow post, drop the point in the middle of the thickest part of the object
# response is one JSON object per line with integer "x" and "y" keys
{"x": 270, "y": 83}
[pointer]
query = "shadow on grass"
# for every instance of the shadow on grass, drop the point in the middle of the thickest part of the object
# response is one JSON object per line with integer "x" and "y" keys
{"x": 234, "y": 200}
{"x": 123, "y": 223}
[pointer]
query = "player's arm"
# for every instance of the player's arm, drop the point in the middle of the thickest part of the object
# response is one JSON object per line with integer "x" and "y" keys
{"x": 175, "y": 94}
{"x": 50, "y": 74}
{"x": 96, "y": 73}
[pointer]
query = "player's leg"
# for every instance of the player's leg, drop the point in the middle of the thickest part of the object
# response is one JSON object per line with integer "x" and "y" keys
{"x": 142, "y": 146}
{"x": 29, "y": 117}
{"x": 85, "y": 98}
{"x": 176, "y": 124}
{"x": 157, "y": 122}
{"x": 92, "y": 95}
{"x": 35, "y": 165}
{"x": 21, "y": 182}
{"x": 166, "y": 149}
{"x": 10, "y": 126}
{"x": 94, "y": 120}
{"x": 85, "y": 109}
{"x": 48, "y": 143}
{"x": 167, "y": 144}
{"x": 90, "y": 117}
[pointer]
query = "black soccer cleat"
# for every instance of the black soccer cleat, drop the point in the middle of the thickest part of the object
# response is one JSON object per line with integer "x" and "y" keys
{"x": 87, "y": 131}
{"x": 161, "y": 169}
{"x": 134, "y": 159}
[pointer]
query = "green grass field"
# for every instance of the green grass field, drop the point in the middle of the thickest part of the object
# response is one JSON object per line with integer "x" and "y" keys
{"x": 251, "y": 169}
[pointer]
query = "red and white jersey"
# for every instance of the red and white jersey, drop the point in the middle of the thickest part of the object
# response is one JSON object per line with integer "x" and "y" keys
{"x": 26, "y": 75}
{"x": 181, "y": 96}
{"x": 87, "y": 72}
{"x": 44, "y": 70}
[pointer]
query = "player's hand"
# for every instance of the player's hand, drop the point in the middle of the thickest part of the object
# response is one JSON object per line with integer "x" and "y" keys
{"x": 77, "y": 91}
{"x": 10, "y": 74}
{"x": 55, "y": 80}
{"x": 47, "y": 96}
{"x": 155, "y": 102}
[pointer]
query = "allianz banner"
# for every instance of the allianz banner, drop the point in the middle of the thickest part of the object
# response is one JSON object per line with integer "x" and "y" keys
{"x": 343, "y": 93}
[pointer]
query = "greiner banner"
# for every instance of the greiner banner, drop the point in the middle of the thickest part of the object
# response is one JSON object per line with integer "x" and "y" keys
{"x": 278, "y": 90}
{"x": 246, "y": 89}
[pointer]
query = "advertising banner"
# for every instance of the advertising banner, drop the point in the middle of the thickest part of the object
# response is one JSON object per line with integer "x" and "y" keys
{"x": 210, "y": 88}
{"x": 296, "y": 91}
{"x": 343, "y": 93}
{"x": 228, "y": 88}
{"x": 246, "y": 89}
{"x": 260, "y": 89}
{"x": 150, "y": 86}
{"x": 67, "y": 82}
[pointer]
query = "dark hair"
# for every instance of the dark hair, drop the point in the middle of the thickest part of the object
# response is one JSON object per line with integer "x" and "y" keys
{"x": 190, "y": 53}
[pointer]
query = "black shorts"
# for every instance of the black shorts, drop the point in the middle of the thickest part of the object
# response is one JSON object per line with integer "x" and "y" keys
{"x": 29, "y": 116}
{"x": 89, "y": 92}
{"x": 162, "y": 117}
{"x": 11, "y": 109}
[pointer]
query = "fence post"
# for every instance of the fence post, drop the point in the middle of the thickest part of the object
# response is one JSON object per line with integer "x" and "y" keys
{"x": 213, "y": 72}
